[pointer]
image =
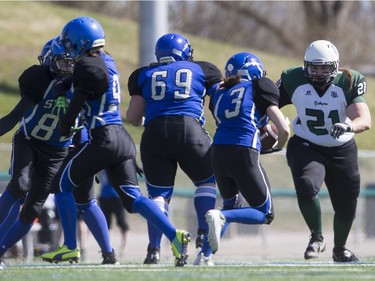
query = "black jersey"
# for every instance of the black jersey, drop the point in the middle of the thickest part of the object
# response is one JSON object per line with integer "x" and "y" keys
{"x": 90, "y": 81}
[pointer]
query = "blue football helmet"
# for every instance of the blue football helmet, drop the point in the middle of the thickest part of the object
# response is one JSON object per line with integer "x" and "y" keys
{"x": 245, "y": 64}
{"x": 173, "y": 47}
{"x": 45, "y": 54}
{"x": 80, "y": 35}
{"x": 61, "y": 65}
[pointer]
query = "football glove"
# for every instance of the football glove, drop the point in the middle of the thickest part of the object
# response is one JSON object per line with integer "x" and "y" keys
{"x": 70, "y": 132}
{"x": 76, "y": 129}
{"x": 271, "y": 150}
{"x": 61, "y": 105}
{"x": 340, "y": 128}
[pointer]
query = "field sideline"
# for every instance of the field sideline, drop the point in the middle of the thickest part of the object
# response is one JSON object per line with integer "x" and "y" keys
{"x": 278, "y": 271}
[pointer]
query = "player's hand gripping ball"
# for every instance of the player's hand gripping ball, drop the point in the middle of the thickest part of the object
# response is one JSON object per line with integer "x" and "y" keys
{"x": 268, "y": 136}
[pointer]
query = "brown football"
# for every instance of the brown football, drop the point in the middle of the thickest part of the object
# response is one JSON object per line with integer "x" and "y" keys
{"x": 268, "y": 136}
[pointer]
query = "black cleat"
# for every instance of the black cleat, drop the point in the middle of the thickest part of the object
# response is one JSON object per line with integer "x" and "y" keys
{"x": 153, "y": 256}
{"x": 110, "y": 258}
{"x": 200, "y": 238}
{"x": 342, "y": 254}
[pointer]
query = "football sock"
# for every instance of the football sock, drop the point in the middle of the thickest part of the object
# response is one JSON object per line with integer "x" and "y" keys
{"x": 67, "y": 210}
{"x": 225, "y": 227}
{"x": 15, "y": 233}
{"x": 244, "y": 215}
{"x": 206, "y": 249}
{"x": 341, "y": 229}
{"x": 204, "y": 200}
{"x": 10, "y": 219}
{"x": 95, "y": 220}
{"x": 230, "y": 203}
{"x": 6, "y": 203}
{"x": 311, "y": 212}
{"x": 152, "y": 213}
{"x": 154, "y": 233}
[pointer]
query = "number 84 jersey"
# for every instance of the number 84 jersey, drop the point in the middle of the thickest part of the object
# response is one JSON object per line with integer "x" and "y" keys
{"x": 317, "y": 112}
{"x": 41, "y": 121}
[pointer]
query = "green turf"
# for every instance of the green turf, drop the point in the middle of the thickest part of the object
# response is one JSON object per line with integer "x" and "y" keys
{"x": 276, "y": 271}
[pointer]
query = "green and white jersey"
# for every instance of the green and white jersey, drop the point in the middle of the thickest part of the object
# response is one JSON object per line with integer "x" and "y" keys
{"x": 316, "y": 113}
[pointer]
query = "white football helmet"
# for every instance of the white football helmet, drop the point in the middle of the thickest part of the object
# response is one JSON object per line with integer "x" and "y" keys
{"x": 321, "y": 53}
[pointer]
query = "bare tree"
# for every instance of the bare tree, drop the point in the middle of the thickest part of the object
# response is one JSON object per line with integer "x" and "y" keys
{"x": 281, "y": 27}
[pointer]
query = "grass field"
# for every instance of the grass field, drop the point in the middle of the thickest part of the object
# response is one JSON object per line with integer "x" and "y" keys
{"x": 277, "y": 271}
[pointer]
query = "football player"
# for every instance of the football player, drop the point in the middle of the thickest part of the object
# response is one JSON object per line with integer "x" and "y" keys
{"x": 331, "y": 109}
{"x": 170, "y": 95}
{"x": 97, "y": 96}
{"x": 38, "y": 147}
{"x": 245, "y": 99}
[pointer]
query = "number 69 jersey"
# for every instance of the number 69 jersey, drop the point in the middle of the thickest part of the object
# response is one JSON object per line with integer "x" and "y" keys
{"x": 41, "y": 121}
{"x": 317, "y": 112}
{"x": 176, "y": 88}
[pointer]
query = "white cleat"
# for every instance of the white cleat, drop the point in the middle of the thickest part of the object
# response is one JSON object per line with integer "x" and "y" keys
{"x": 215, "y": 220}
{"x": 201, "y": 260}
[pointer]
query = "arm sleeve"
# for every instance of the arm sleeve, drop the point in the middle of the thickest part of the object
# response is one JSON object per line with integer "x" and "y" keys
{"x": 133, "y": 87}
{"x": 90, "y": 81}
{"x": 8, "y": 122}
{"x": 265, "y": 94}
{"x": 213, "y": 76}
{"x": 284, "y": 97}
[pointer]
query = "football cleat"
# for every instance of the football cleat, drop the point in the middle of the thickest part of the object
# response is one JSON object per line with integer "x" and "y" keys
{"x": 110, "y": 258}
{"x": 203, "y": 261}
{"x": 153, "y": 256}
{"x": 62, "y": 254}
{"x": 180, "y": 247}
{"x": 216, "y": 221}
{"x": 342, "y": 254}
{"x": 316, "y": 245}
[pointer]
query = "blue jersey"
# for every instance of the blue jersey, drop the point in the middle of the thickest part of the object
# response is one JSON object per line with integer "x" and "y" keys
{"x": 40, "y": 122}
{"x": 177, "y": 88}
{"x": 240, "y": 111}
{"x": 105, "y": 109}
